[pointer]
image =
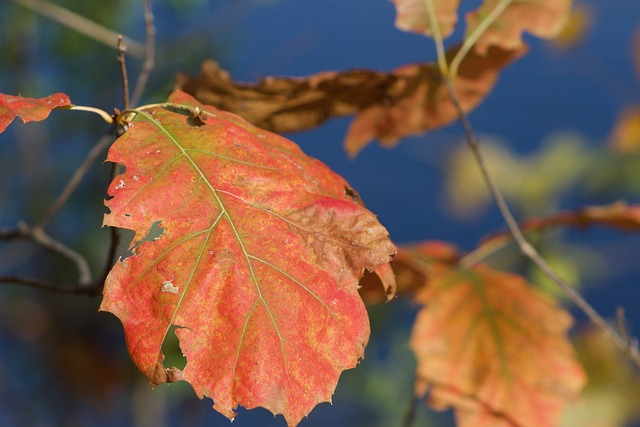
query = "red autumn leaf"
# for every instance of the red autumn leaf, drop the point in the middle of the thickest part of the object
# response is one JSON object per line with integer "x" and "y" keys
{"x": 257, "y": 266}
{"x": 494, "y": 349}
{"x": 542, "y": 18}
{"x": 412, "y": 16}
{"x": 29, "y": 109}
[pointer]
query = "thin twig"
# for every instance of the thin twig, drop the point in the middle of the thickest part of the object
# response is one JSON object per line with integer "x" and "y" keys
{"x": 525, "y": 247}
{"x": 122, "y": 50}
{"x": 50, "y": 286}
{"x": 75, "y": 180}
{"x": 80, "y": 24}
{"x": 149, "y": 53}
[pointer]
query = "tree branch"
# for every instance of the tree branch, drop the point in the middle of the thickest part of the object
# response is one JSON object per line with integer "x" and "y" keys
{"x": 525, "y": 247}
{"x": 122, "y": 50}
{"x": 80, "y": 24}
{"x": 75, "y": 180}
{"x": 149, "y": 53}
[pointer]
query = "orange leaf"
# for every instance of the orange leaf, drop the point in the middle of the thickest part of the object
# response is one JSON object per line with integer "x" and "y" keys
{"x": 542, "y": 18}
{"x": 29, "y": 109}
{"x": 419, "y": 102}
{"x": 412, "y": 16}
{"x": 494, "y": 349}
{"x": 257, "y": 265}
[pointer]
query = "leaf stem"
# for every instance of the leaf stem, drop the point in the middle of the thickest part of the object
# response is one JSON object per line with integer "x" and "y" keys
{"x": 105, "y": 116}
{"x": 525, "y": 247}
{"x": 122, "y": 50}
{"x": 471, "y": 40}
{"x": 437, "y": 36}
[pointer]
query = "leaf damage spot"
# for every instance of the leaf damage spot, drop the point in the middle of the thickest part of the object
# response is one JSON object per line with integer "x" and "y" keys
{"x": 167, "y": 286}
{"x": 120, "y": 185}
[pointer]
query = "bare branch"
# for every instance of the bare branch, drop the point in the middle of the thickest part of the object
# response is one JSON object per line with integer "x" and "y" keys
{"x": 42, "y": 239}
{"x": 122, "y": 50}
{"x": 80, "y": 24}
{"x": 75, "y": 180}
{"x": 149, "y": 53}
{"x": 525, "y": 247}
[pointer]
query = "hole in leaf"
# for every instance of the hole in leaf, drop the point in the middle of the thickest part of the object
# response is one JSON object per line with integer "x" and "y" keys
{"x": 173, "y": 357}
{"x": 154, "y": 232}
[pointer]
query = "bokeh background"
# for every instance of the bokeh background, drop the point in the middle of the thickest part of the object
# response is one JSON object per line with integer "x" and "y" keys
{"x": 548, "y": 128}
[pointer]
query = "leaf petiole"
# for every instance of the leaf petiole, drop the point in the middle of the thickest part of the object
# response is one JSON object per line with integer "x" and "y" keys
{"x": 475, "y": 36}
{"x": 105, "y": 116}
{"x": 437, "y": 36}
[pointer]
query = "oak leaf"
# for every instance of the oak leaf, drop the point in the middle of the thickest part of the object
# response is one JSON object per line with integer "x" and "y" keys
{"x": 389, "y": 106}
{"x": 494, "y": 349}
{"x": 29, "y": 109}
{"x": 257, "y": 265}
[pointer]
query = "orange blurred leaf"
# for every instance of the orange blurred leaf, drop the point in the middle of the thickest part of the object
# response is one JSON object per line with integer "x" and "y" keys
{"x": 495, "y": 350}
{"x": 29, "y": 109}
{"x": 411, "y": 15}
{"x": 257, "y": 265}
{"x": 542, "y": 18}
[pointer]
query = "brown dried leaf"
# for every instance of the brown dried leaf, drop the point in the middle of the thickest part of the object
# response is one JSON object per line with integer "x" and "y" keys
{"x": 288, "y": 104}
{"x": 389, "y": 106}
